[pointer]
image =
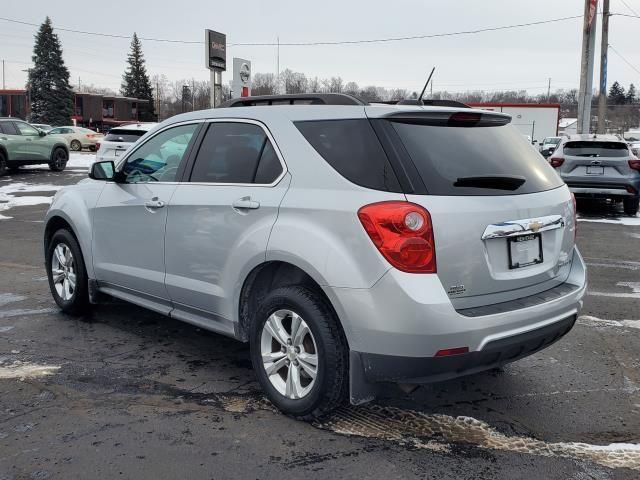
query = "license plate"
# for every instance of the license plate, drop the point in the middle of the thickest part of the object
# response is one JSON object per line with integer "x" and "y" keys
{"x": 595, "y": 170}
{"x": 525, "y": 250}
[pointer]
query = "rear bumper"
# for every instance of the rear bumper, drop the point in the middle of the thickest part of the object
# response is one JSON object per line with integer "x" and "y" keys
{"x": 386, "y": 368}
{"x": 603, "y": 189}
{"x": 396, "y": 328}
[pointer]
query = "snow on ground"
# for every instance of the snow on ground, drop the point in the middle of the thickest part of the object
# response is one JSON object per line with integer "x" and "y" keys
{"x": 628, "y": 221}
{"x": 8, "y": 198}
{"x": 80, "y": 160}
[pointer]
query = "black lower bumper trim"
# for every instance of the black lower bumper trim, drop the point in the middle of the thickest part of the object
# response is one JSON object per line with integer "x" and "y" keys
{"x": 386, "y": 368}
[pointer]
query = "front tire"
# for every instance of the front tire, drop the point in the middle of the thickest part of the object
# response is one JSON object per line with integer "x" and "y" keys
{"x": 299, "y": 353}
{"x": 631, "y": 206}
{"x": 66, "y": 273}
{"x": 59, "y": 159}
{"x": 3, "y": 164}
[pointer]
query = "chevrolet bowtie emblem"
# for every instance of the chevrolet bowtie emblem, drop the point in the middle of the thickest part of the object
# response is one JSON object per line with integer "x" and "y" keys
{"x": 535, "y": 226}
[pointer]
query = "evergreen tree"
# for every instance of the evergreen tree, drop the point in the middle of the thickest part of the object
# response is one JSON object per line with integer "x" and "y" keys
{"x": 49, "y": 90}
{"x": 135, "y": 81}
{"x": 631, "y": 97}
{"x": 616, "y": 94}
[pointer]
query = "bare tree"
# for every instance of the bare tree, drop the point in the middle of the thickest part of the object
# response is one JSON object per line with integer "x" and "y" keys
{"x": 264, "y": 84}
{"x": 293, "y": 82}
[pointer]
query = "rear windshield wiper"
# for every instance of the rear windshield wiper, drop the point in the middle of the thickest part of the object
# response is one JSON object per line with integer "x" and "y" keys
{"x": 496, "y": 182}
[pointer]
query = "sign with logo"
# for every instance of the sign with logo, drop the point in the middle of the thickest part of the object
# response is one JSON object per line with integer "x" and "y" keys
{"x": 216, "y": 50}
{"x": 241, "y": 83}
{"x": 593, "y": 5}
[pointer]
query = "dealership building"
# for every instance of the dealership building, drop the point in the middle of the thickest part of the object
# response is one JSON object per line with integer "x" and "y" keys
{"x": 89, "y": 109}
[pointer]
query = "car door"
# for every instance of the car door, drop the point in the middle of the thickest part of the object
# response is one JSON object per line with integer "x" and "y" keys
{"x": 219, "y": 221}
{"x": 11, "y": 139}
{"x": 32, "y": 146}
{"x": 130, "y": 217}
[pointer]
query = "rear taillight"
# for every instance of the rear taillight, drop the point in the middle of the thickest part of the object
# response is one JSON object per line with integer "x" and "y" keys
{"x": 448, "y": 352}
{"x": 555, "y": 162}
{"x": 631, "y": 190}
{"x": 403, "y": 233}
{"x": 634, "y": 164}
{"x": 97, "y": 146}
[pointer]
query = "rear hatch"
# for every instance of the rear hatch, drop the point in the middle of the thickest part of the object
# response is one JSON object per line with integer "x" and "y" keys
{"x": 503, "y": 220}
{"x": 589, "y": 162}
{"x": 117, "y": 141}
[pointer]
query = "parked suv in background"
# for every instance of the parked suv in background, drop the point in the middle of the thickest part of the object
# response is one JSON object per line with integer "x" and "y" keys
{"x": 21, "y": 144}
{"x": 599, "y": 166}
{"x": 119, "y": 139}
{"x": 350, "y": 245}
{"x": 548, "y": 145}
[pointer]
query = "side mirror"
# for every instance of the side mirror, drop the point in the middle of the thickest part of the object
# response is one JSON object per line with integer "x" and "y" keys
{"x": 42, "y": 133}
{"x": 103, "y": 171}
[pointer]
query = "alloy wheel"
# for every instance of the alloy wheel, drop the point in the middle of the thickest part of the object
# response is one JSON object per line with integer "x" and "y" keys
{"x": 63, "y": 271}
{"x": 289, "y": 354}
{"x": 60, "y": 158}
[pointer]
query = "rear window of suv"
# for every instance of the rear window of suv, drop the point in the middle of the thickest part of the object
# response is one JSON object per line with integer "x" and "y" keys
{"x": 123, "y": 135}
{"x": 463, "y": 160}
{"x": 596, "y": 149}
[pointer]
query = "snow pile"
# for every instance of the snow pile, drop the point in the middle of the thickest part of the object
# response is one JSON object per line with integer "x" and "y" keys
{"x": 627, "y": 221}
{"x": 81, "y": 161}
{"x": 8, "y": 199}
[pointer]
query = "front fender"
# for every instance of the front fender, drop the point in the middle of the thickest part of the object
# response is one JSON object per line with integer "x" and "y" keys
{"x": 74, "y": 205}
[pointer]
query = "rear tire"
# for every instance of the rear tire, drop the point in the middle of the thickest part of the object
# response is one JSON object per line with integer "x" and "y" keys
{"x": 59, "y": 159}
{"x": 66, "y": 273}
{"x": 631, "y": 206}
{"x": 75, "y": 145}
{"x": 317, "y": 390}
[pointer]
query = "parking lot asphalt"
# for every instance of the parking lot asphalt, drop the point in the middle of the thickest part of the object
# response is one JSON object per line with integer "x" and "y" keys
{"x": 127, "y": 393}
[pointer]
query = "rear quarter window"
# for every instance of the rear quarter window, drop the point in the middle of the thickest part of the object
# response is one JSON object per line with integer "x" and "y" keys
{"x": 352, "y": 148}
{"x": 596, "y": 149}
{"x": 445, "y": 154}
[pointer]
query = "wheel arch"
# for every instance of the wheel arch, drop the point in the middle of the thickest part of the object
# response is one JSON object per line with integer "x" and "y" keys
{"x": 58, "y": 220}
{"x": 271, "y": 275}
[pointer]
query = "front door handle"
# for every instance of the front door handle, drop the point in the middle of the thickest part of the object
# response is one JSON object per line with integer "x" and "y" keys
{"x": 154, "y": 204}
{"x": 245, "y": 203}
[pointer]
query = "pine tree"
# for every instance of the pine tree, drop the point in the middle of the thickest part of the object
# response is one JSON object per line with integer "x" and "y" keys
{"x": 631, "y": 97}
{"x": 135, "y": 81}
{"x": 49, "y": 90}
{"x": 616, "y": 94}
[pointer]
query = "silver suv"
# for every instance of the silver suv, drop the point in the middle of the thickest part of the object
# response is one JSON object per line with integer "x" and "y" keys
{"x": 351, "y": 245}
{"x": 599, "y": 166}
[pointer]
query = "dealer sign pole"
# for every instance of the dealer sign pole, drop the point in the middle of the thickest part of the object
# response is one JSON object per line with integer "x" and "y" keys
{"x": 216, "y": 58}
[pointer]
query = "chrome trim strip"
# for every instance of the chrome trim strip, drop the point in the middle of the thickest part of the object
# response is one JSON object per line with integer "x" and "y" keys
{"x": 525, "y": 226}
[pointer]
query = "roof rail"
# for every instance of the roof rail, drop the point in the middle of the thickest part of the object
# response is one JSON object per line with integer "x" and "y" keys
{"x": 295, "y": 99}
{"x": 433, "y": 103}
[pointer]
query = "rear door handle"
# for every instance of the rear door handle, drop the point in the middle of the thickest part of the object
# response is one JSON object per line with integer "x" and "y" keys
{"x": 154, "y": 204}
{"x": 245, "y": 203}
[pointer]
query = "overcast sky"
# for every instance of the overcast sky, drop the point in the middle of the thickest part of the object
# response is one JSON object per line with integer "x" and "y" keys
{"x": 522, "y": 58}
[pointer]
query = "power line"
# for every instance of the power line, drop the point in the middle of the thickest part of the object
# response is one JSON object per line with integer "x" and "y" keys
{"x": 337, "y": 42}
{"x": 630, "y": 9}
{"x": 624, "y": 59}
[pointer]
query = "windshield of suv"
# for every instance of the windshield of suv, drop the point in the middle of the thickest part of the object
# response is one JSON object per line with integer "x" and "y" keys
{"x": 596, "y": 149}
{"x": 480, "y": 160}
{"x": 551, "y": 140}
{"x": 123, "y": 135}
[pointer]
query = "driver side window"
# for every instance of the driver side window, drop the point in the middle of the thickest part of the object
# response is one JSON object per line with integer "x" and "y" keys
{"x": 159, "y": 159}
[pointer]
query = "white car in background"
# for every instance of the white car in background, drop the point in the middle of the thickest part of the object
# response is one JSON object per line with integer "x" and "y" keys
{"x": 119, "y": 139}
{"x": 632, "y": 137}
{"x": 78, "y": 137}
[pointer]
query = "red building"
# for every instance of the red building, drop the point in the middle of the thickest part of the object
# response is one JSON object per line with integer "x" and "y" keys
{"x": 89, "y": 109}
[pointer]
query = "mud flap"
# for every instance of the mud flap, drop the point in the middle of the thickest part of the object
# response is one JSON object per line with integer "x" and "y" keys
{"x": 360, "y": 390}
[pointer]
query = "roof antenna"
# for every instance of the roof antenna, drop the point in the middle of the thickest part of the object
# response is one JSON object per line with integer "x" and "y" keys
{"x": 426, "y": 84}
{"x": 418, "y": 101}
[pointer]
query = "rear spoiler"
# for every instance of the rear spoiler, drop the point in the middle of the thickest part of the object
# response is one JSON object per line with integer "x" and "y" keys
{"x": 468, "y": 118}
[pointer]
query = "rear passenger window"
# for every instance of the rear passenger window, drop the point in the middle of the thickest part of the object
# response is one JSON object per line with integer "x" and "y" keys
{"x": 352, "y": 148}
{"x": 9, "y": 128}
{"x": 233, "y": 152}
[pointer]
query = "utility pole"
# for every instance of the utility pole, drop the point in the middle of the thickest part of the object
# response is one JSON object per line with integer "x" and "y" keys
{"x": 193, "y": 94}
{"x": 586, "y": 67}
{"x": 3, "y": 85}
{"x": 549, "y": 90}
{"x": 278, "y": 67}
{"x": 79, "y": 83}
{"x": 604, "y": 47}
